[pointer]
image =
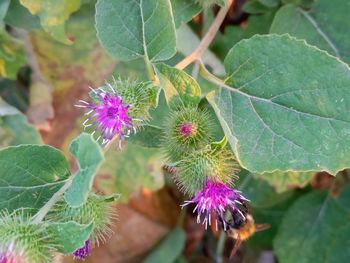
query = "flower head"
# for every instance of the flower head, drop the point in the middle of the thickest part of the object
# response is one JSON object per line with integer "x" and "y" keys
{"x": 188, "y": 129}
{"x": 110, "y": 117}
{"x": 82, "y": 252}
{"x": 216, "y": 198}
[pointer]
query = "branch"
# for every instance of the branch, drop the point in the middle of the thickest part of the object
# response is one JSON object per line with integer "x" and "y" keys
{"x": 207, "y": 39}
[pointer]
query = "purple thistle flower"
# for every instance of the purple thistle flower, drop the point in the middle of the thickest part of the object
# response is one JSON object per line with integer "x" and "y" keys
{"x": 83, "y": 252}
{"x": 217, "y": 198}
{"x": 110, "y": 117}
{"x": 188, "y": 129}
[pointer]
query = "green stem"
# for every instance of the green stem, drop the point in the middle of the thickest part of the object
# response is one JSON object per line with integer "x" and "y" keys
{"x": 39, "y": 216}
{"x": 220, "y": 247}
{"x": 149, "y": 69}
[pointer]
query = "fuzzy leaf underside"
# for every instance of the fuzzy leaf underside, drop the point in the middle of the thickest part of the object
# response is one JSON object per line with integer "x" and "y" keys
{"x": 89, "y": 156}
{"x": 70, "y": 235}
{"x": 285, "y": 106}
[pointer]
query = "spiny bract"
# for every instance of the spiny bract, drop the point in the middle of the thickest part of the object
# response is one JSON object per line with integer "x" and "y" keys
{"x": 197, "y": 167}
{"x": 24, "y": 242}
{"x": 96, "y": 210}
{"x": 186, "y": 130}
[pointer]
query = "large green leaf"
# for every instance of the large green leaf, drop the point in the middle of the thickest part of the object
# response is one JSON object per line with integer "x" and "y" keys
{"x": 169, "y": 248}
{"x": 179, "y": 87}
{"x": 132, "y": 29}
{"x": 53, "y": 14}
{"x": 70, "y": 235}
{"x": 285, "y": 106}
{"x": 30, "y": 175}
{"x": 282, "y": 181}
{"x": 131, "y": 169}
{"x": 89, "y": 156}
{"x": 184, "y": 10}
{"x": 14, "y": 127}
{"x": 325, "y": 25}
{"x": 309, "y": 227}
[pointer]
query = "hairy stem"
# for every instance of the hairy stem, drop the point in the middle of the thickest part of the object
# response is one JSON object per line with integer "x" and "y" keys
{"x": 38, "y": 217}
{"x": 207, "y": 39}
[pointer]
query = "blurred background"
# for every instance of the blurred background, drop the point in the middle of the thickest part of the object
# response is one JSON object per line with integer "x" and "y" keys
{"x": 40, "y": 81}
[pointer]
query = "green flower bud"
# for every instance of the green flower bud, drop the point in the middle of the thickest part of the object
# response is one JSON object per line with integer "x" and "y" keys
{"x": 186, "y": 130}
{"x": 24, "y": 242}
{"x": 197, "y": 167}
{"x": 96, "y": 209}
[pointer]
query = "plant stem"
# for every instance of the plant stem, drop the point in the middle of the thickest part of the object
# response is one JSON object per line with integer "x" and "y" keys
{"x": 207, "y": 39}
{"x": 38, "y": 217}
{"x": 220, "y": 247}
{"x": 149, "y": 69}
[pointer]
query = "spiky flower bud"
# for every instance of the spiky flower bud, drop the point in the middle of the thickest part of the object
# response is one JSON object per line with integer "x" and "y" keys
{"x": 23, "y": 242}
{"x": 186, "y": 130}
{"x": 118, "y": 109}
{"x": 218, "y": 164}
{"x": 95, "y": 209}
{"x": 215, "y": 199}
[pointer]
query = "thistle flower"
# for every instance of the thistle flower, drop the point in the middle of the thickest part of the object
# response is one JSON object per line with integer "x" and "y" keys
{"x": 186, "y": 130}
{"x": 216, "y": 198}
{"x": 117, "y": 109}
{"x": 83, "y": 252}
{"x": 198, "y": 166}
{"x": 23, "y": 242}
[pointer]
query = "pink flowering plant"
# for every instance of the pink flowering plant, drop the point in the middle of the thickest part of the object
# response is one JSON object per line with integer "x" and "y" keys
{"x": 112, "y": 100}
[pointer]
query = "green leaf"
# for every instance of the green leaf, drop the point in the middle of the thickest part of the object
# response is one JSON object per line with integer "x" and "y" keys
{"x": 302, "y": 3}
{"x": 255, "y": 7}
{"x": 179, "y": 87}
{"x": 309, "y": 227}
{"x": 169, "y": 248}
{"x": 4, "y": 5}
{"x": 70, "y": 235}
{"x": 30, "y": 175}
{"x": 279, "y": 112}
{"x": 89, "y": 156}
{"x": 317, "y": 25}
{"x": 184, "y": 10}
{"x": 133, "y": 29}
{"x": 269, "y": 3}
{"x": 148, "y": 136}
{"x": 256, "y": 24}
{"x": 11, "y": 55}
{"x": 133, "y": 168}
{"x": 14, "y": 127}
{"x": 19, "y": 16}
{"x": 284, "y": 181}
{"x": 53, "y": 15}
